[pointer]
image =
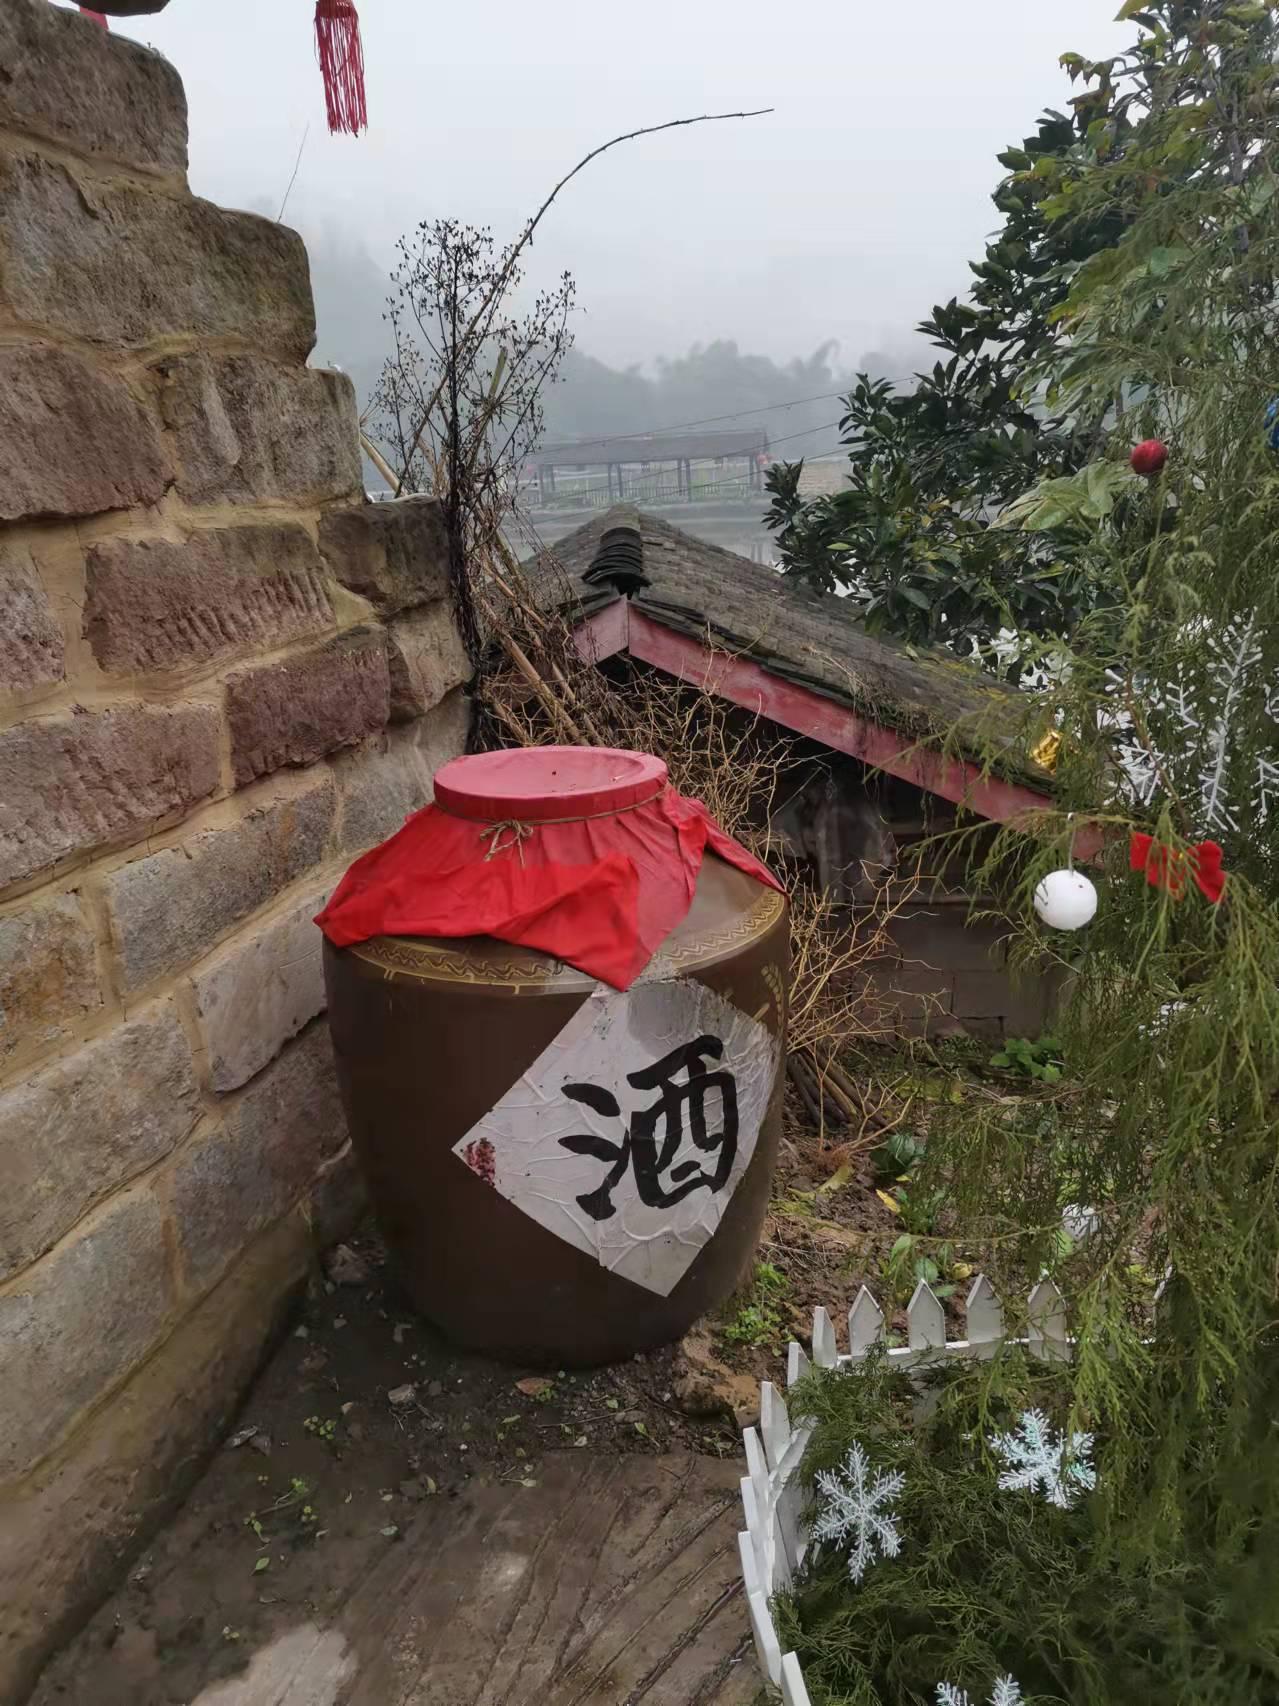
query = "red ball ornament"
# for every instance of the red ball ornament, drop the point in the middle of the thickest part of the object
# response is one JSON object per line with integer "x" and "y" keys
{"x": 1149, "y": 457}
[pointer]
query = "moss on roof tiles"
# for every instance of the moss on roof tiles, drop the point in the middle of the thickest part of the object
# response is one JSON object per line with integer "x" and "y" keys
{"x": 811, "y": 639}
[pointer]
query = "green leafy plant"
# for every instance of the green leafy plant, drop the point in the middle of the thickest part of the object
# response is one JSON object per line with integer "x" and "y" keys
{"x": 987, "y": 1581}
{"x": 897, "y": 1157}
{"x": 910, "y": 1261}
{"x": 1041, "y": 1060}
{"x": 760, "y": 1320}
{"x": 896, "y": 1163}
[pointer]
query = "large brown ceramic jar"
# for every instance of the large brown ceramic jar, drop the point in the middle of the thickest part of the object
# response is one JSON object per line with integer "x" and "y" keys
{"x": 566, "y": 1172}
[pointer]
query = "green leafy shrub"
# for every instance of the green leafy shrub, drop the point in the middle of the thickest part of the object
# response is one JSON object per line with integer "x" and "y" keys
{"x": 991, "y": 1583}
{"x": 1165, "y": 700}
{"x": 1041, "y": 1060}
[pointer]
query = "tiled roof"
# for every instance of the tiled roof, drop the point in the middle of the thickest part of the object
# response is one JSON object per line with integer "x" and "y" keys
{"x": 813, "y": 639}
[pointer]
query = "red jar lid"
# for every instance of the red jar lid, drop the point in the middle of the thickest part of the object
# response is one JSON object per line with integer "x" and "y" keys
{"x": 540, "y": 783}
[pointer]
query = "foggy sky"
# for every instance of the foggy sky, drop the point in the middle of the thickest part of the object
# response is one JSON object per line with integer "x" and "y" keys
{"x": 846, "y": 214}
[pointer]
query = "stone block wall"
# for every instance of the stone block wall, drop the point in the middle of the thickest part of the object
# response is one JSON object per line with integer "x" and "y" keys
{"x": 949, "y": 975}
{"x": 222, "y": 674}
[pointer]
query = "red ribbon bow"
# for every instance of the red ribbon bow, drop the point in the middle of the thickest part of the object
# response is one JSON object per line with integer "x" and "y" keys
{"x": 1166, "y": 868}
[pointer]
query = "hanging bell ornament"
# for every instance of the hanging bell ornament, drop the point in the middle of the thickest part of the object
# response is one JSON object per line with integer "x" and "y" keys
{"x": 1066, "y": 900}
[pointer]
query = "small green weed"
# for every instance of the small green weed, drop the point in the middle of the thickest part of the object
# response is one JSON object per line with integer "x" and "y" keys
{"x": 1042, "y": 1060}
{"x": 907, "y": 1264}
{"x": 897, "y": 1157}
{"x": 759, "y": 1320}
{"x": 896, "y": 1163}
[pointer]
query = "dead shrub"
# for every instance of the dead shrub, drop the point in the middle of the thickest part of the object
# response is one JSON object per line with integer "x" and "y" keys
{"x": 739, "y": 765}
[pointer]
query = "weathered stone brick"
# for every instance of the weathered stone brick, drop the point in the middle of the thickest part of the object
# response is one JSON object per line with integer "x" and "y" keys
{"x": 944, "y": 935}
{"x": 48, "y": 975}
{"x": 917, "y": 993}
{"x": 249, "y": 430}
{"x": 1035, "y": 998}
{"x": 77, "y": 1131}
{"x": 379, "y": 790}
{"x": 167, "y": 909}
{"x": 983, "y": 994}
{"x": 75, "y": 441}
{"x": 296, "y": 711}
{"x": 104, "y": 96}
{"x": 257, "y": 994}
{"x": 393, "y": 554}
{"x": 152, "y": 604}
{"x": 263, "y": 1159}
{"x": 31, "y": 647}
{"x": 380, "y": 787}
{"x": 122, "y": 266}
{"x": 442, "y": 733}
{"x": 339, "y": 1199}
{"x": 66, "y": 1531}
{"x": 74, "y": 783}
{"x": 78, "y": 1322}
{"x": 427, "y": 660}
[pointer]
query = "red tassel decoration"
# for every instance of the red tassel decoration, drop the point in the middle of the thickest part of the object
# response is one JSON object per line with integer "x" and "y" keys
{"x": 341, "y": 56}
{"x": 97, "y": 17}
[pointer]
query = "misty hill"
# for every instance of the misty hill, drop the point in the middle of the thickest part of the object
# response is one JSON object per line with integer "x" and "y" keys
{"x": 795, "y": 402}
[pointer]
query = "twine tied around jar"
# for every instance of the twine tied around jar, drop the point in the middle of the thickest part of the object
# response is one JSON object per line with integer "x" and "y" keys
{"x": 511, "y": 827}
{"x": 512, "y": 832}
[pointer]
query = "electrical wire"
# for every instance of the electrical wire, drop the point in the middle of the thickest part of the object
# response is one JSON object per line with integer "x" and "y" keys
{"x": 807, "y": 433}
{"x": 708, "y": 420}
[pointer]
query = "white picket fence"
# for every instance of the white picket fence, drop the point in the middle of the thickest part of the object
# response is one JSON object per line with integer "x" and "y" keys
{"x": 774, "y": 1543}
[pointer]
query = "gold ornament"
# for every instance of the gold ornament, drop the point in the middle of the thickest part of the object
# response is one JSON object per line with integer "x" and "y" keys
{"x": 1046, "y": 751}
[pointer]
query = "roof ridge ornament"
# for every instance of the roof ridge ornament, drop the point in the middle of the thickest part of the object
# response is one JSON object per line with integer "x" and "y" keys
{"x": 619, "y": 557}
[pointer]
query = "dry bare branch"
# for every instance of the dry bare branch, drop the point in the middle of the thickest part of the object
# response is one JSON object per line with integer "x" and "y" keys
{"x": 480, "y": 327}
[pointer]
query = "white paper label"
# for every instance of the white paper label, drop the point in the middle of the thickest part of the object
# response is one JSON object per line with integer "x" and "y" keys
{"x": 630, "y": 1132}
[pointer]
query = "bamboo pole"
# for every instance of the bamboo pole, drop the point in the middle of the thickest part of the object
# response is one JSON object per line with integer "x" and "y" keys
{"x": 557, "y": 713}
{"x": 537, "y": 620}
{"x": 380, "y": 462}
{"x": 806, "y": 1095}
{"x": 844, "y": 1103}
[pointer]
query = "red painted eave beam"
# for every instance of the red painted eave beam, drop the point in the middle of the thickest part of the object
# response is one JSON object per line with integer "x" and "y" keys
{"x": 622, "y": 627}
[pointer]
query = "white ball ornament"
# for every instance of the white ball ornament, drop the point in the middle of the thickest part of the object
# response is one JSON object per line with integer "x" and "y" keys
{"x": 1066, "y": 900}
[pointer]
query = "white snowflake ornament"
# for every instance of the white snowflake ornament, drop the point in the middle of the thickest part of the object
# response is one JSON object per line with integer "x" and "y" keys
{"x": 1006, "y": 1693}
{"x": 854, "y": 1510}
{"x": 1041, "y": 1460}
{"x": 1199, "y": 715}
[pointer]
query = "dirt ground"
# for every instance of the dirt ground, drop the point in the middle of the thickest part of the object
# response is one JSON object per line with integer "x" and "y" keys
{"x": 366, "y": 1413}
{"x": 363, "y": 1415}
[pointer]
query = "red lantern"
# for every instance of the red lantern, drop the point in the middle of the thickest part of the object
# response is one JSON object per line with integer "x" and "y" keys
{"x": 1149, "y": 457}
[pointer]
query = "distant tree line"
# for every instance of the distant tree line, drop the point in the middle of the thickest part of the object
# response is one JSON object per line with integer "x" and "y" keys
{"x": 592, "y": 399}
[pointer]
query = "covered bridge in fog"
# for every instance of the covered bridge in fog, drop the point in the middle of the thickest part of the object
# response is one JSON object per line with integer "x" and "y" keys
{"x": 674, "y": 452}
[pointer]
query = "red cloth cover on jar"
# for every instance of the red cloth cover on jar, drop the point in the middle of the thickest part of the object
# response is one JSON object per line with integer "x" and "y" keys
{"x": 581, "y": 852}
